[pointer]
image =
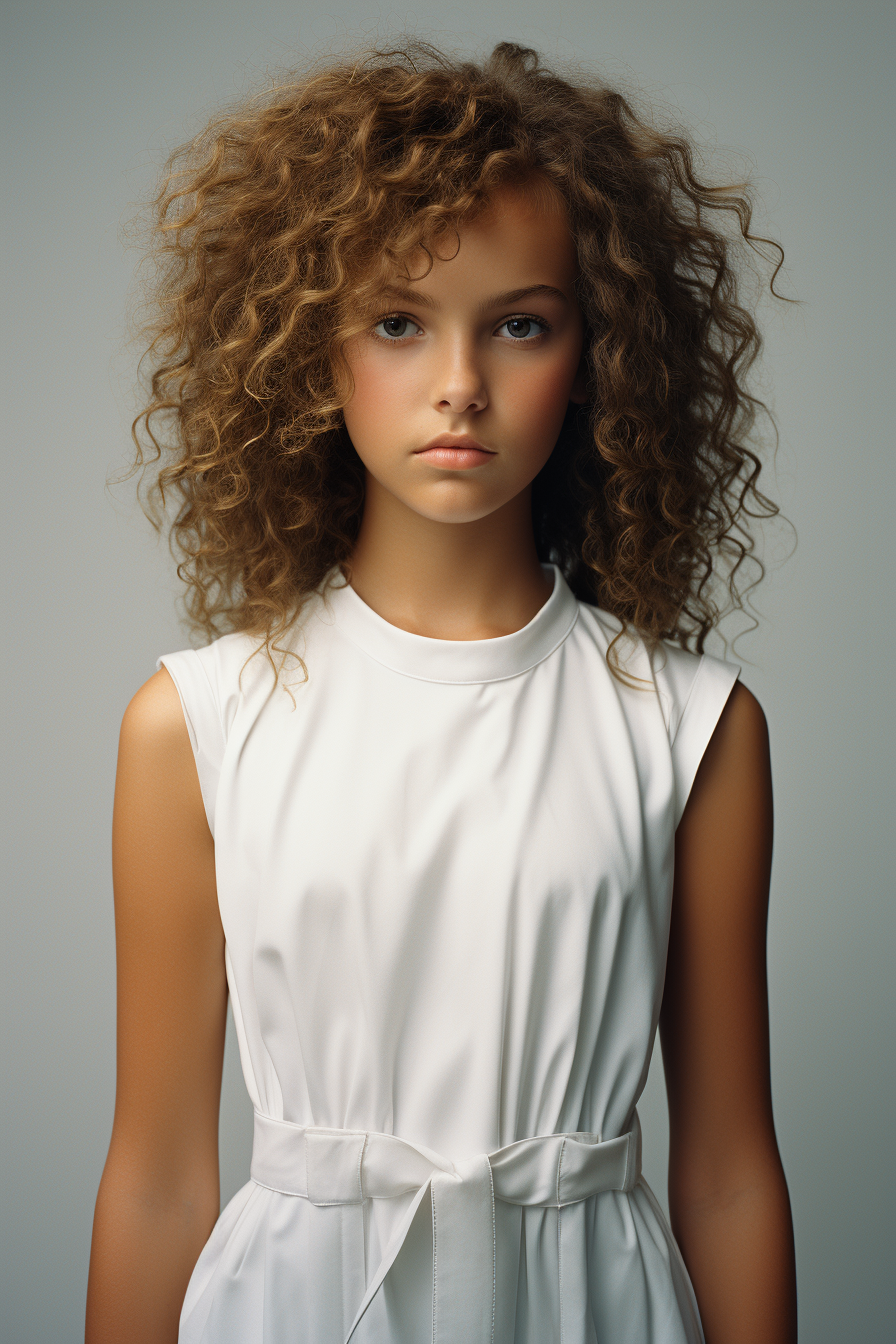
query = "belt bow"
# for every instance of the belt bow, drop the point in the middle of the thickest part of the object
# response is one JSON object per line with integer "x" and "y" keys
{"x": 341, "y": 1166}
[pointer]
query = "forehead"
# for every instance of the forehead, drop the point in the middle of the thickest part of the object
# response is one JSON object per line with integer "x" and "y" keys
{"x": 521, "y": 237}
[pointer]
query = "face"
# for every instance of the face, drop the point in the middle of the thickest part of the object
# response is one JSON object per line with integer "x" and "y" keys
{"x": 463, "y": 378}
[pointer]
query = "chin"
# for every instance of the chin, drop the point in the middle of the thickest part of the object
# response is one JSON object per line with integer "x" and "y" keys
{"x": 461, "y": 511}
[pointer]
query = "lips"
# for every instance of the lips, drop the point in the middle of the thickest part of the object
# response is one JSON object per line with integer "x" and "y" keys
{"x": 455, "y": 441}
{"x": 455, "y": 452}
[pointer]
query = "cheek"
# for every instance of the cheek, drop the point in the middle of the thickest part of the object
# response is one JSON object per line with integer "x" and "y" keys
{"x": 370, "y": 390}
{"x": 365, "y": 413}
{"x": 381, "y": 389}
{"x": 539, "y": 402}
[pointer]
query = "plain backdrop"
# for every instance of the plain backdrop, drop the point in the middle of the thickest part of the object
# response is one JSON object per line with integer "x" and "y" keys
{"x": 790, "y": 91}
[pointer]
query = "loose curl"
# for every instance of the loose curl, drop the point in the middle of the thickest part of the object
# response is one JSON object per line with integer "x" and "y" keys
{"x": 274, "y": 230}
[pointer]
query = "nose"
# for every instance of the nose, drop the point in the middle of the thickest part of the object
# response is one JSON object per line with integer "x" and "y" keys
{"x": 459, "y": 384}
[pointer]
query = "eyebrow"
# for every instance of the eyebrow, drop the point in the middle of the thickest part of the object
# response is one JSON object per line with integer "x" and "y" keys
{"x": 511, "y": 296}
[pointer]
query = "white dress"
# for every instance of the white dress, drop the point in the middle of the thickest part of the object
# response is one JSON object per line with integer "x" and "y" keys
{"x": 445, "y": 871}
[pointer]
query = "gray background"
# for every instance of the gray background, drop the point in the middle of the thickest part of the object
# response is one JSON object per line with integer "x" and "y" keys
{"x": 95, "y": 94}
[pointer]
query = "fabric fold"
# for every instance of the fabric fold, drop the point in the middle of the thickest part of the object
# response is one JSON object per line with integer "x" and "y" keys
{"x": 327, "y": 1166}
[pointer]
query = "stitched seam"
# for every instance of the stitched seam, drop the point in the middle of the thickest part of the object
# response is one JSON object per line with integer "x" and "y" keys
{"x": 435, "y": 1262}
{"x": 472, "y": 681}
{"x": 560, "y": 1168}
{"x": 560, "y": 1271}
{"x": 219, "y": 715}
{"x": 560, "y": 1238}
{"x": 494, "y": 1251}
{"x": 346, "y": 1319}
{"x": 687, "y": 700}
{"x": 296, "y": 1194}
{"x": 360, "y": 1161}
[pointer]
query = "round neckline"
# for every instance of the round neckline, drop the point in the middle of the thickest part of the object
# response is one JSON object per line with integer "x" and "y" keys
{"x": 463, "y": 661}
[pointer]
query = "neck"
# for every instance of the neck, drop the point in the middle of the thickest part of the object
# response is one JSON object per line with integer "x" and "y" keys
{"x": 475, "y": 580}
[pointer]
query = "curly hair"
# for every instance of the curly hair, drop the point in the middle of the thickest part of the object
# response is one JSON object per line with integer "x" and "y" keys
{"x": 277, "y": 225}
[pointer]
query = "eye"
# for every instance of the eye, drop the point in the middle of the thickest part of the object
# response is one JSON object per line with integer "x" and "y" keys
{"x": 394, "y": 328}
{"x": 524, "y": 328}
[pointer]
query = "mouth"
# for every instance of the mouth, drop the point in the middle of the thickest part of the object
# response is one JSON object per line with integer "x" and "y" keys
{"x": 456, "y": 452}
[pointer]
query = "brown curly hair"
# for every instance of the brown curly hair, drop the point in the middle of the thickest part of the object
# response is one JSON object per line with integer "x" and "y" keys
{"x": 275, "y": 227}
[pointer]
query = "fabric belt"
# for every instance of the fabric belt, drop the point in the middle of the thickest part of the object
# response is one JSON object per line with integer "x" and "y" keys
{"x": 341, "y": 1166}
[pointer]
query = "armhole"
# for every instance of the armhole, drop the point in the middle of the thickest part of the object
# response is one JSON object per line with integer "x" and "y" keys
{"x": 707, "y": 697}
{"x": 203, "y": 720}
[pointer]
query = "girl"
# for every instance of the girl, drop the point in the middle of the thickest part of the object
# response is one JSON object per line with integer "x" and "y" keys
{"x": 449, "y": 372}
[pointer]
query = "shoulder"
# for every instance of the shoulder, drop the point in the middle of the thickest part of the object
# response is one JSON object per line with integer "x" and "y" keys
{"x": 188, "y": 708}
{"x": 209, "y": 682}
{"x": 678, "y": 702}
{"x": 163, "y": 779}
{"x": 154, "y": 713}
{"x": 155, "y": 739}
{"x": 733, "y": 783}
{"x": 690, "y": 687}
{"x": 743, "y": 715}
{"x": 741, "y": 732}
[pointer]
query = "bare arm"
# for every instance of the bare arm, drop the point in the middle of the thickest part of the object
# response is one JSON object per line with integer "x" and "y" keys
{"x": 158, "y": 1198}
{"x": 727, "y": 1193}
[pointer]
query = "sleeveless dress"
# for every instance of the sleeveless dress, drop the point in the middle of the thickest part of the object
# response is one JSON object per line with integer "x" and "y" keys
{"x": 445, "y": 871}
